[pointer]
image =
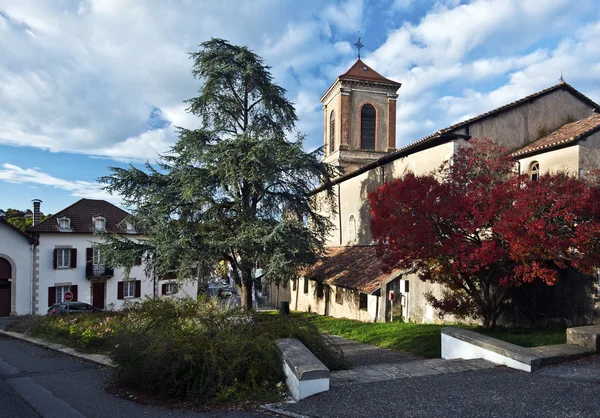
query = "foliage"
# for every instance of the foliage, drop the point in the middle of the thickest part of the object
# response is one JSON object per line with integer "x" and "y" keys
{"x": 88, "y": 332}
{"x": 478, "y": 228}
{"x": 188, "y": 350}
{"x": 424, "y": 340}
{"x": 22, "y": 219}
{"x": 236, "y": 189}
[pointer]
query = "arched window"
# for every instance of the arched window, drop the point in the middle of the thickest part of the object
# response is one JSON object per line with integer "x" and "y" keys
{"x": 352, "y": 229}
{"x": 534, "y": 171}
{"x": 331, "y": 131}
{"x": 367, "y": 127}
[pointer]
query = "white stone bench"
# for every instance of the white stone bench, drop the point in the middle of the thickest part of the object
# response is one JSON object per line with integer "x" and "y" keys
{"x": 305, "y": 375}
{"x": 466, "y": 344}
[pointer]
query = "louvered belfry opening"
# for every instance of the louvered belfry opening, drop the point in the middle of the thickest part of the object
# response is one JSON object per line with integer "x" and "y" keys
{"x": 367, "y": 127}
{"x": 331, "y": 132}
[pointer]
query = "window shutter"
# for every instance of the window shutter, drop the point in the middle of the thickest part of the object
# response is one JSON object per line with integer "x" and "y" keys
{"x": 74, "y": 291}
{"x": 138, "y": 288}
{"x": 51, "y": 295}
{"x": 120, "y": 290}
{"x": 137, "y": 261}
{"x": 54, "y": 259}
{"x": 73, "y": 258}
{"x": 164, "y": 289}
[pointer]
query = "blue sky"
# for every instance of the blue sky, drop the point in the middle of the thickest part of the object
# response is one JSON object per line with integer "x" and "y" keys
{"x": 87, "y": 84}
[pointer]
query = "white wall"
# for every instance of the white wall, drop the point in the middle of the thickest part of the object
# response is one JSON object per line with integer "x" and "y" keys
{"x": 47, "y": 276}
{"x": 17, "y": 250}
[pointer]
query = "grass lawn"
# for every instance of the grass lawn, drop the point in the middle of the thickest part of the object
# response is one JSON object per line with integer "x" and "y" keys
{"x": 424, "y": 339}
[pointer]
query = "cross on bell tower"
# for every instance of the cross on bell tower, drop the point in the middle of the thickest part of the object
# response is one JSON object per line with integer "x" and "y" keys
{"x": 358, "y": 45}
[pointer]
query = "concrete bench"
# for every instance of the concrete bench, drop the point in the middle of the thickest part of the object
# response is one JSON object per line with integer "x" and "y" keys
{"x": 588, "y": 337}
{"x": 305, "y": 375}
{"x": 466, "y": 344}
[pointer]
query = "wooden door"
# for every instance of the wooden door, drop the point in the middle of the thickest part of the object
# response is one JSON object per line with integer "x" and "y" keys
{"x": 5, "y": 274}
{"x": 98, "y": 294}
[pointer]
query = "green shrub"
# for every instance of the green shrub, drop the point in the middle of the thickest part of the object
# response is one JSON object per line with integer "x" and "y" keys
{"x": 188, "y": 350}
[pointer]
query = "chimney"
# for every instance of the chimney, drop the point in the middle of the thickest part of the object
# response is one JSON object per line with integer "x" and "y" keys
{"x": 36, "y": 211}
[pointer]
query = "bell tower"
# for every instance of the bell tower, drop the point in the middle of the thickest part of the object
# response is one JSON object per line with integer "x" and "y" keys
{"x": 359, "y": 117}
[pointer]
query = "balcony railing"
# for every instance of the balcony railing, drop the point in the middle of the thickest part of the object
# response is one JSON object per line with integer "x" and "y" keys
{"x": 98, "y": 270}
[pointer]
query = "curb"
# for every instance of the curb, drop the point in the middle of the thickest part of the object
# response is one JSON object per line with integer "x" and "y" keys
{"x": 276, "y": 408}
{"x": 94, "y": 358}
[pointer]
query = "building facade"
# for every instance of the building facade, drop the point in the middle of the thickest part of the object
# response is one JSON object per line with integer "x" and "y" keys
{"x": 556, "y": 129}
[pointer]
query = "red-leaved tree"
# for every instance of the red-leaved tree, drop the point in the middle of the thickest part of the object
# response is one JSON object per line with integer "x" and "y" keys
{"x": 477, "y": 227}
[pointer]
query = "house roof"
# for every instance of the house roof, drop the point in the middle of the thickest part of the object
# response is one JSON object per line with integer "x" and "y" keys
{"x": 81, "y": 214}
{"x": 354, "y": 267}
{"x": 29, "y": 238}
{"x": 446, "y": 134}
{"x": 566, "y": 134}
{"x": 362, "y": 72}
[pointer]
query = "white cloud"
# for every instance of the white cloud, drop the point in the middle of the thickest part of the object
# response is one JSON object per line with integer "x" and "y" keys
{"x": 15, "y": 174}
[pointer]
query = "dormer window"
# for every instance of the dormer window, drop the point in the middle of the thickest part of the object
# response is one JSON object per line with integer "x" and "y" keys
{"x": 99, "y": 223}
{"x": 130, "y": 228}
{"x": 64, "y": 224}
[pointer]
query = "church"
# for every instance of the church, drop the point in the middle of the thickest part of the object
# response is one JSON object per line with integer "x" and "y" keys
{"x": 556, "y": 129}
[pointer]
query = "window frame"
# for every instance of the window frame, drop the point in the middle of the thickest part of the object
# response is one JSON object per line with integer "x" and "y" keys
{"x": 360, "y": 127}
{"x": 59, "y": 258}
{"x": 64, "y": 289}
{"x": 129, "y": 287}
{"x": 331, "y": 131}
{"x": 97, "y": 219}
{"x": 170, "y": 288}
{"x": 67, "y": 226}
{"x": 534, "y": 170}
{"x": 352, "y": 235}
{"x": 363, "y": 301}
{"x": 339, "y": 297}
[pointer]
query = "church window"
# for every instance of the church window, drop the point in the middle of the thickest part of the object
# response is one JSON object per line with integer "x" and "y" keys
{"x": 352, "y": 229}
{"x": 534, "y": 171}
{"x": 367, "y": 127}
{"x": 331, "y": 131}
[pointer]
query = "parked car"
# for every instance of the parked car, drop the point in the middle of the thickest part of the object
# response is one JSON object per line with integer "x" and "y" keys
{"x": 72, "y": 307}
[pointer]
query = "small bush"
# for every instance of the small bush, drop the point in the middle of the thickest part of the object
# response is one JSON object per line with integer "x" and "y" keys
{"x": 196, "y": 351}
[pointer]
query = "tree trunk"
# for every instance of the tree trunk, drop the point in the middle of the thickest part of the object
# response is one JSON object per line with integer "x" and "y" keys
{"x": 247, "y": 281}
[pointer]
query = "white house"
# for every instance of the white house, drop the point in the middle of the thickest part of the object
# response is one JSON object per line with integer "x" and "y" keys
{"x": 16, "y": 249}
{"x": 65, "y": 260}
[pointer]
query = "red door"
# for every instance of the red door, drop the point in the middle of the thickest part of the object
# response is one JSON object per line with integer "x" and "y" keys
{"x": 98, "y": 295}
{"x": 5, "y": 274}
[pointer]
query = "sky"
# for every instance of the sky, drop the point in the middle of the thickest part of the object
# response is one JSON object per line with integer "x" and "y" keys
{"x": 90, "y": 84}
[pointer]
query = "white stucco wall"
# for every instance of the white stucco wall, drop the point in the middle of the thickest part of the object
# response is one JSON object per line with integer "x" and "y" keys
{"x": 47, "y": 276}
{"x": 17, "y": 250}
{"x": 564, "y": 160}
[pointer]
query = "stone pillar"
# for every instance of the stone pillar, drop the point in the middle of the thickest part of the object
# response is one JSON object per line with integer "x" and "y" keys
{"x": 345, "y": 122}
{"x": 391, "y": 133}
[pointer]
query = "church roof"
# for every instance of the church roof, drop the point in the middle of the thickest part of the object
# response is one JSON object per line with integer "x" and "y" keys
{"x": 446, "y": 134}
{"x": 354, "y": 267}
{"x": 566, "y": 134}
{"x": 362, "y": 72}
{"x": 81, "y": 213}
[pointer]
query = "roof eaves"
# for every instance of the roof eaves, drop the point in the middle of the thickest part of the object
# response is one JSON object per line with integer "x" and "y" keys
{"x": 557, "y": 144}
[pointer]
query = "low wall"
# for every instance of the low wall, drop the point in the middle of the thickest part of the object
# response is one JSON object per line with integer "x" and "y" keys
{"x": 465, "y": 344}
{"x": 305, "y": 375}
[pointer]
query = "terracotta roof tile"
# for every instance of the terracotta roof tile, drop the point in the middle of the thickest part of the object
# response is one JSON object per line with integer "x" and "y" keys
{"x": 361, "y": 71}
{"x": 81, "y": 214}
{"x": 355, "y": 267}
{"x": 571, "y": 132}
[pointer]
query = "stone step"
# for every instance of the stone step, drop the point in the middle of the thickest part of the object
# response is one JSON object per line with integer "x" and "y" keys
{"x": 415, "y": 368}
{"x": 553, "y": 354}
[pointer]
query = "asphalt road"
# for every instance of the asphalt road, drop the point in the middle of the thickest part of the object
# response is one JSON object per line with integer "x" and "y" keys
{"x": 38, "y": 382}
{"x": 569, "y": 390}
